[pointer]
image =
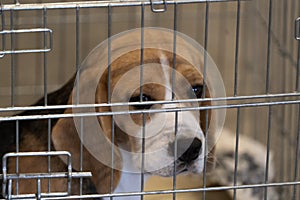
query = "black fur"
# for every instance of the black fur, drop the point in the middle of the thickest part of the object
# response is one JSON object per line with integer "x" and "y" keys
{"x": 38, "y": 127}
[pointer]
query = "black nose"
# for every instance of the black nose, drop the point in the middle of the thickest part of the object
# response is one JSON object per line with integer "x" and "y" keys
{"x": 187, "y": 149}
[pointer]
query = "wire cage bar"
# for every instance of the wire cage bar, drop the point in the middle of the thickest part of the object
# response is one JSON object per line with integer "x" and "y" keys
{"x": 254, "y": 43}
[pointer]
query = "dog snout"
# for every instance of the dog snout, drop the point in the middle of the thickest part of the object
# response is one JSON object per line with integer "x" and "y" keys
{"x": 188, "y": 150}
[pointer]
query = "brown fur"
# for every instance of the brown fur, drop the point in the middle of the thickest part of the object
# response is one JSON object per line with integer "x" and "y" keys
{"x": 64, "y": 134}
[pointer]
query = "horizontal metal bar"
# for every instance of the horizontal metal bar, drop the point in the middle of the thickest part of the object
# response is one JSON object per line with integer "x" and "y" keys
{"x": 207, "y": 189}
{"x": 181, "y": 109}
{"x": 96, "y": 4}
{"x": 32, "y": 30}
{"x": 43, "y": 195}
{"x": 80, "y": 106}
{"x": 3, "y": 52}
{"x": 38, "y": 153}
{"x": 50, "y": 175}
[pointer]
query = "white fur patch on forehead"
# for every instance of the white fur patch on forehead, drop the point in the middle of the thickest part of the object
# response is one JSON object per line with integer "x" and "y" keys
{"x": 166, "y": 70}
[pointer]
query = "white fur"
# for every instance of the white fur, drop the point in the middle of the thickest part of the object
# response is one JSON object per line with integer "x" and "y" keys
{"x": 129, "y": 181}
{"x": 160, "y": 133}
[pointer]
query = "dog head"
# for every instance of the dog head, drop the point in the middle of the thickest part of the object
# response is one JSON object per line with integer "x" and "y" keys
{"x": 159, "y": 138}
{"x": 144, "y": 120}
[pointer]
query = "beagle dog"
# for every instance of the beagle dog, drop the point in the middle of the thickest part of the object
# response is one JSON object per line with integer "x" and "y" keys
{"x": 142, "y": 121}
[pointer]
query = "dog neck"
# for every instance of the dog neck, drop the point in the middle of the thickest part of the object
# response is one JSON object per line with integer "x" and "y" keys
{"x": 130, "y": 182}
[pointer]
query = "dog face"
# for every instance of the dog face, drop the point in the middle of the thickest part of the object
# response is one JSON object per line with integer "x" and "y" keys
{"x": 160, "y": 139}
{"x": 140, "y": 126}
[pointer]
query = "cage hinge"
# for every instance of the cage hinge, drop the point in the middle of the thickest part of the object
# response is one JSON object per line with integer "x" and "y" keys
{"x": 158, "y": 6}
{"x": 46, "y": 46}
{"x": 297, "y": 29}
{"x": 11, "y": 180}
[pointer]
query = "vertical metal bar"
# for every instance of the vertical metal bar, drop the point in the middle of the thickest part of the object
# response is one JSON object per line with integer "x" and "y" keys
{"x": 283, "y": 116}
{"x": 173, "y": 94}
{"x": 205, "y": 45}
{"x": 297, "y": 154}
{"x": 268, "y": 151}
{"x": 205, "y": 153}
{"x": 112, "y": 177}
{"x": 3, "y": 36}
{"x": 4, "y": 174}
{"x": 69, "y": 184}
{"x": 236, "y": 154}
{"x": 77, "y": 52}
{"x": 143, "y": 155}
{"x": 295, "y": 175}
{"x": 141, "y": 97}
{"x": 269, "y": 48}
{"x": 142, "y": 51}
{"x": 81, "y": 154}
{"x": 12, "y": 41}
{"x": 298, "y": 64}
{"x": 109, "y": 24}
{"x": 237, "y": 40}
{"x": 17, "y": 150}
{"x": 238, "y": 18}
{"x": 45, "y": 57}
{"x": 49, "y": 157}
{"x": 289, "y": 173}
{"x": 9, "y": 189}
{"x": 77, "y": 36}
{"x": 174, "y": 50}
{"x": 38, "y": 189}
{"x": 175, "y": 154}
{"x": 204, "y": 85}
{"x": 292, "y": 12}
{"x": 267, "y": 92}
{"x": 290, "y": 117}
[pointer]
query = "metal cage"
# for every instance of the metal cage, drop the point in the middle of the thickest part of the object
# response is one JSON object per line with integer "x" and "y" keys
{"x": 254, "y": 43}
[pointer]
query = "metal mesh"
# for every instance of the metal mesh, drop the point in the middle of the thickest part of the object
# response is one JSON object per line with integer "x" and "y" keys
{"x": 255, "y": 44}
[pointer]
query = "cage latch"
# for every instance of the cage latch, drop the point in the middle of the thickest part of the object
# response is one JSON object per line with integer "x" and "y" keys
{"x": 13, "y": 179}
{"x": 158, "y": 6}
{"x": 41, "y": 48}
{"x": 297, "y": 29}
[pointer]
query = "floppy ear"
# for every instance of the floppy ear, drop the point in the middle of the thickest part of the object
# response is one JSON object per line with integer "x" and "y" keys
{"x": 66, "y": 138}
{"x": 205, "y": 120}
{"x": 102, "y": 97}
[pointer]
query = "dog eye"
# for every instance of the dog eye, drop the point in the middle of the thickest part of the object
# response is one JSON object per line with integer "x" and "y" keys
{"x": 198, "y": 90}
{"x": 145, "y": 98}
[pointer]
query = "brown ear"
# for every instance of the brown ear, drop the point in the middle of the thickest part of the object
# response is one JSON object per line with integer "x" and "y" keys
{"x": 205, "y": 115}
{"x": 106, "y": 121}
{"x": 205, "y": 119}
{"x": 65, "y": 138}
